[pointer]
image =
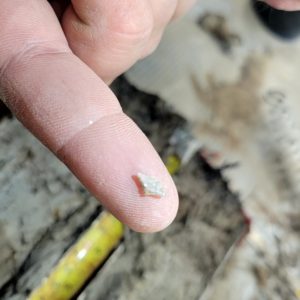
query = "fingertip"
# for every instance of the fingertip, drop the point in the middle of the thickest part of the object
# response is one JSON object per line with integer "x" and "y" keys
{"x": 107, "y": 157}
{"x": 154, "y": 218}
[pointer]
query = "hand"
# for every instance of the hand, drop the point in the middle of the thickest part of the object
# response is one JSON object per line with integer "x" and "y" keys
{"x": 50, "y": 78}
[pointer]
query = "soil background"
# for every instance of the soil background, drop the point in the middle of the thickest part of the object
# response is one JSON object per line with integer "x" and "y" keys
{"x": 52, "y": 207}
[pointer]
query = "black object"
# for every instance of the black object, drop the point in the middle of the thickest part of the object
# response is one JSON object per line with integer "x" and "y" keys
{"x": 285, "y": 24}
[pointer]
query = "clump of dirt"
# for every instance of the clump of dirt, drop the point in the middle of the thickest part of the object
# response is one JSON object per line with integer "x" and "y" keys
{"x": 217, "y": 27}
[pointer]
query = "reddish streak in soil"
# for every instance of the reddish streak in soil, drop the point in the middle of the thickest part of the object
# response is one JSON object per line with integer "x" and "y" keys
{"x": 210, "y": 156}
{"x": 141, "y": 189}
{"x": 247, "y": 222}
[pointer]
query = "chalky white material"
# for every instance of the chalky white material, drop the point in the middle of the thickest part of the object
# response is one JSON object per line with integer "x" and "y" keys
{"x": 151, "y": 186}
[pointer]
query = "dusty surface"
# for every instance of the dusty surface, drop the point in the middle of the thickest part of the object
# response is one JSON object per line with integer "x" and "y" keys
{"x": 44, "y": 209}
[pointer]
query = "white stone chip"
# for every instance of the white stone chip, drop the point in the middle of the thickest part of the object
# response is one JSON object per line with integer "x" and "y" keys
{"x": 151, "y": 186}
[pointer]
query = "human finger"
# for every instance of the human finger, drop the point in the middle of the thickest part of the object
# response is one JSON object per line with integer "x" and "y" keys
{"x": 67, "y": 106}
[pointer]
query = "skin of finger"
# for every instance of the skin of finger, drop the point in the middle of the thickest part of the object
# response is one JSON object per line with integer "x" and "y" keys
{"x": 163, "y": 10}
{"x": 108, "y": 35}
{"x": 288, "y": 5}
{"x": 55, "y": 95}
{"x": 30, "y": 88}
{"x": 127, "y": 153}
{"x": 73, "y": 112}
{"x": 152, "y": 44}
{"x": 19, "y": 25}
